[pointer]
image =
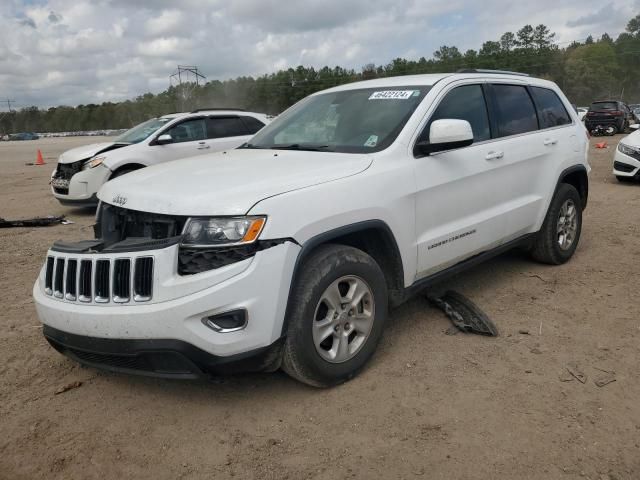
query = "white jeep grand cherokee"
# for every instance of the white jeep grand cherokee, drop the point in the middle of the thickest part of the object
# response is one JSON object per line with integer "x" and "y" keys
{"x": 289, "y": 251}
{"x": 83, "y": 170}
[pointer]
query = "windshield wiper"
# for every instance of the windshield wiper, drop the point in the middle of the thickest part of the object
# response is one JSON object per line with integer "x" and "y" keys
{"x": 299, "y": 146}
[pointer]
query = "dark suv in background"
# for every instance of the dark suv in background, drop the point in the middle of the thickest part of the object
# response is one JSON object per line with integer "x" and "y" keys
{"x": 609, "y": 113}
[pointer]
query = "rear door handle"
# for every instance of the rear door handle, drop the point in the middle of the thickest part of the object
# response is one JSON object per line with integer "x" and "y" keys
{"x": 203, "y": 146}
{"x": 494, "y": 155}
{"x": 549, "y": 141}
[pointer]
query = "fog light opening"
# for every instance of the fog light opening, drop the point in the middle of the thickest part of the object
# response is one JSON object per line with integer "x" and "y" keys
{"x": 227, "y": 322}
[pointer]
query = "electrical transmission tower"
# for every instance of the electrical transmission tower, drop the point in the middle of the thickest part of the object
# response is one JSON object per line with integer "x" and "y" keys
{"x": 186, "y": 79}
{"x": 3, "y": 114}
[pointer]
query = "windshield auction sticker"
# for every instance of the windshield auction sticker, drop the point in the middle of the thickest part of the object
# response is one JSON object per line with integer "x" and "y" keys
{"x": 392, "y": 95}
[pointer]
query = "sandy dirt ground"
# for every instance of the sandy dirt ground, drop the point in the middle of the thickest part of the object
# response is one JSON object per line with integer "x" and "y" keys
{"x": 429, "y": 405}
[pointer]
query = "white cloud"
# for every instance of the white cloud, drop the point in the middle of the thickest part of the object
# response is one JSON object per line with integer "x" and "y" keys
{"x": 85, "y": 51}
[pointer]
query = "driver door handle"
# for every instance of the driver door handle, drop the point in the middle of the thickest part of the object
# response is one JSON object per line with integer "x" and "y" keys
{"x": 494, "y": 155}
{"x": 203, "y": 146}
{"x": 549, "y": 141}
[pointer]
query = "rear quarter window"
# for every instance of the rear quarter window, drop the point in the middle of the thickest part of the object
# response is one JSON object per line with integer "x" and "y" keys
{"x": 252, "y": 124}
{"x": 551, "y": 110}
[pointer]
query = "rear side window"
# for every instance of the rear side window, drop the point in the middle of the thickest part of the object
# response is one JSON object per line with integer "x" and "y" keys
{"x": 220, "y": 127}
{"x": 551, "y": 111}
{"x": 252, "y": 124}
{"x": 463, "y": 103}
{"x": 515, "y": 111}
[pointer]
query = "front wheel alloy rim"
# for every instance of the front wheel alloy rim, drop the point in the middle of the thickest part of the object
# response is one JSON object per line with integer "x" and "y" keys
{"x": 343, "y": 319}
{"x": 567, "y": 224}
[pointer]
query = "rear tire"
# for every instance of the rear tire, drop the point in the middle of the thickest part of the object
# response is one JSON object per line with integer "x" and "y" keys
{"x": 558, "y": 238}
{"x": 331, "y": 334}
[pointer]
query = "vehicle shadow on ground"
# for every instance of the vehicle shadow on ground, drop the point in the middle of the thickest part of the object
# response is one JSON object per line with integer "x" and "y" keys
{"x": 81, "y": 211}
{"x": 483, "y": 278}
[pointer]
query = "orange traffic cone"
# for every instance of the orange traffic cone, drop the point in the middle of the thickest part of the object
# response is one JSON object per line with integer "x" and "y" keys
{"x": 40, "y": 160}
{"x": 601, "y": 145}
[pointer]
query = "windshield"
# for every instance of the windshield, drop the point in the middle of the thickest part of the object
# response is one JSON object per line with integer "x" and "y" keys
{"x": 142, "y": 131}
{"x": 353, "y": 121}
{"x": 604, "y": 106}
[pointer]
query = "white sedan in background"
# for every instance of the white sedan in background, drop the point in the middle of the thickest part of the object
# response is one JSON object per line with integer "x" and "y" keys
{"x": 83, "y": 170}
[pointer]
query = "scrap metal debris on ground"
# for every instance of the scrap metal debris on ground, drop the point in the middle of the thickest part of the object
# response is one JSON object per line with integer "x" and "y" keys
{"x": 33, "y": 222}
{"x": 67, "y": 387}
{"x": 464, "y": 314}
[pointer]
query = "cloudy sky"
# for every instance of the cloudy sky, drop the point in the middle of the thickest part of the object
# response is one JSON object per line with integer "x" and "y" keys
{"x": 56, "y": 52}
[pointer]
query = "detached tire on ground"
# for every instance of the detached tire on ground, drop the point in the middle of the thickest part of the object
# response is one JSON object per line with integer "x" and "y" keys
{"x": 336, "y": 316}
{"x": 558, "y": 238}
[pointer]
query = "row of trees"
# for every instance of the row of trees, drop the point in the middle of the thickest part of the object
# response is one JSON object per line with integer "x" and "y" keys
{"x": 586, "y": 70}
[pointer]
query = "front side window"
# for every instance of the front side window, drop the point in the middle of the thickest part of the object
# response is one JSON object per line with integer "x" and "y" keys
{"x": 141, "y": 132}
{"x": 515, "y": 111}
{"x": 550, "y": 108}
{"x": 463, "y": 103}
{"x": 189, "y": 131}
{"x": 353, "y": 121}
{"x": 221, "y": 127}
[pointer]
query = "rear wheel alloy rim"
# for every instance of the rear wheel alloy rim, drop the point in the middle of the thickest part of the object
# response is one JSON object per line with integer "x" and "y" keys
{"x": 343, "y": 319}
{"x": 567, "y": 224}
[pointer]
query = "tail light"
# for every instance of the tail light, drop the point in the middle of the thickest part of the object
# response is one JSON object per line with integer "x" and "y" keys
{"x": 617, "y": 112}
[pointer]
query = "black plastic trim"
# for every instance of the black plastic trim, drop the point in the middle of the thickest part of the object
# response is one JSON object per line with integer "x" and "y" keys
{"x": 326, "y": 237}
{"x": 180, "y": 360}
{"x": 574, "y": 169}
{"x": 425, "y": 282}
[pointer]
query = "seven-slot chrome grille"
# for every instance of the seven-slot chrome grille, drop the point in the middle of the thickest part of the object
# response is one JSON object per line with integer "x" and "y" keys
{"x": 100, "y": 280}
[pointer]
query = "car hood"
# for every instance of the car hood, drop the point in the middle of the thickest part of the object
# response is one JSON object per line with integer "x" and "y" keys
{"x": 633, "y": 139}
{"x": 87, "y": 151}
{"x": 227, "y": 183}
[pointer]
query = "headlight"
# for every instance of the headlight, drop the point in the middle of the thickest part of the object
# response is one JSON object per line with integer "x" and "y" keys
{"x": 222, "y": 231}
{"x": 93, "y": 162}
{"x": 627, "y": 150}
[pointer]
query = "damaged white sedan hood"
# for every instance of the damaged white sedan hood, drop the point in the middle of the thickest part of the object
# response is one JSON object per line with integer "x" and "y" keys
{"x": 85, "y": 152}
{"x": 227, "y": 183}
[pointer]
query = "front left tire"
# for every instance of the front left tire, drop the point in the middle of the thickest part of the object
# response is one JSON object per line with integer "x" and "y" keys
{"x": 337, "y": 311}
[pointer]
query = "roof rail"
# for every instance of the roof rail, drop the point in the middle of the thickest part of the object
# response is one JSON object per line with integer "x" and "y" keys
{"x": 217, "y": 109}
{"x": 483, "y": 70}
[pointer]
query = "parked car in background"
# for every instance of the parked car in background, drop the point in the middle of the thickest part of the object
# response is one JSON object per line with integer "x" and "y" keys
{"x": 23, "y": 136}
{"x": 582, "y": 112}
{"x": 626, "y": 161}
{"x": 83, "y": 170}
{"x": 636, "y": 114}
{"x": 613, "y": 115}
{"x": 288, "y": 251}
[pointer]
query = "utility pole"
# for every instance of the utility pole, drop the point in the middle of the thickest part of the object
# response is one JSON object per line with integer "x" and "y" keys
{"x": 3, "y": 114}
{"x": 9, "y": 102}
{"x": 186, "y": 79}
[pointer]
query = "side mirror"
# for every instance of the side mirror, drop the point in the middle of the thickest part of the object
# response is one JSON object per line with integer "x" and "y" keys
{"x": 446, "y": 134}
{"x": 164, "y": 139}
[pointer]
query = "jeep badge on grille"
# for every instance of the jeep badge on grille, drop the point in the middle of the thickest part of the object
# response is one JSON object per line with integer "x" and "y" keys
{"x": 119, "y": 200}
